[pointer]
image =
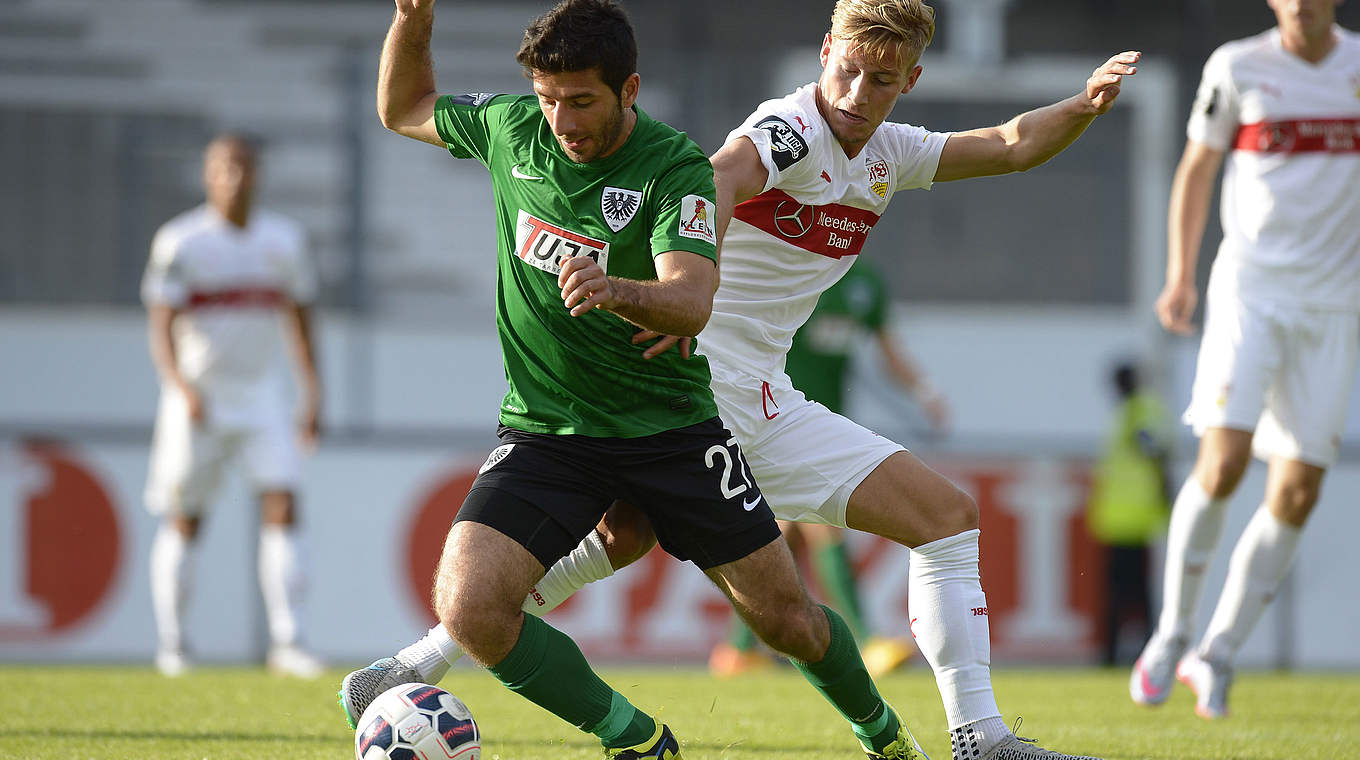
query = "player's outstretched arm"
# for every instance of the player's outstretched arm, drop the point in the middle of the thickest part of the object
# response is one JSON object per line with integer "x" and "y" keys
{"x": 1191, "y": 193}
{"x": 1035, "y": 136}
{"x": 406, "y": 87}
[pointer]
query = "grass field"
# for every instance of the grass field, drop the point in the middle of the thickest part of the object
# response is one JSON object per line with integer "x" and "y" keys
{"x": 105, "y": 713}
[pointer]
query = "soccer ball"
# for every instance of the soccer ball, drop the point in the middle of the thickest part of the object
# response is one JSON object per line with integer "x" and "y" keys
{"x": 417, "y": 721}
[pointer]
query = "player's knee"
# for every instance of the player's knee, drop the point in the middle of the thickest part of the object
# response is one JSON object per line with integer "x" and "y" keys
{"x": 956, "y": 514}
{"x": 185, "y": 526}
{"x": 1293, "y": 502}
{"x": 794, "y": 629}
{"x": 965, "y": 512}
{"x": 477, "y": 622}
{"x": 627, "y": 534}
{"x": 1220, "y": 473}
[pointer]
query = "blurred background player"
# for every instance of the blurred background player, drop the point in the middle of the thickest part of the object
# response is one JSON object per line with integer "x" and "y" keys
{"x": 1282, "y": 326}
{"x": 1129, "y": 506}
{"x": 819, "y": 363}
{"x": 226, "y": 284}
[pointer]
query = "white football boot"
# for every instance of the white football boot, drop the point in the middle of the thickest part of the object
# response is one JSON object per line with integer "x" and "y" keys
{"x": 1209, "y": 681}
{"x": 1155, "y": 671}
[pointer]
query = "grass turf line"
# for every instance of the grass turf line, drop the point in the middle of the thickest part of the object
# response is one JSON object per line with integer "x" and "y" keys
{"x": 110, "y": 713}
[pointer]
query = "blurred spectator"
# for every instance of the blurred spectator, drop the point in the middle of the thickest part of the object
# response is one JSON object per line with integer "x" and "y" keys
{"x": 225, "y": 283}
{"x": 1129, "y": 507}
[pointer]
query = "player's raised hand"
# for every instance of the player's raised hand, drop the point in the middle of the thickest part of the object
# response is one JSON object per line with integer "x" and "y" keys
{"x": 1103, "y": 86}
{"x": 1176, "y": 305}
{"x": 584, "y": 285}
{"x": 409, "y": 7}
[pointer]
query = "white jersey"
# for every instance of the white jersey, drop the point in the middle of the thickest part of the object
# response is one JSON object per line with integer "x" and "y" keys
{"x": 788, "y": 244}
{"x": 1291, "y": 191}
{"x": 230, "y": 285}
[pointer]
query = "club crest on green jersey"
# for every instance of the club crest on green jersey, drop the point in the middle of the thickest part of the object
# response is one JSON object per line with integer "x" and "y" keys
{"x": 546, "y": 246}
{"x": 618, "y": 206}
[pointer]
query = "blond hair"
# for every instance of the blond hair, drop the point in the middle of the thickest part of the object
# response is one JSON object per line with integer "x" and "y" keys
{"x": 878, "y": 27}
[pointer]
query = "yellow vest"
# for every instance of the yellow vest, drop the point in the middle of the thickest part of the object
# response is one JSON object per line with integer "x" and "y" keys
{"x": 1128, "y": 502}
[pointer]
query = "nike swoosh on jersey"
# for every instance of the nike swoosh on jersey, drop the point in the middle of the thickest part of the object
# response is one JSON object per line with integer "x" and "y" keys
{"x": 748, "y": 506}
{"x": 517, "y": 174}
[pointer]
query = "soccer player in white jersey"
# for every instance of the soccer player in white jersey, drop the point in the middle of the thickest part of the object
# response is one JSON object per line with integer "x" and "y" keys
{"x": 1282, "y": 328}
{"x": 225, "y": 285}
{"x": 803, "y": 180}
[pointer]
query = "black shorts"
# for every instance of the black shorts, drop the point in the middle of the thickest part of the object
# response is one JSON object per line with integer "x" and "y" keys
{"x": 548, "y": 492}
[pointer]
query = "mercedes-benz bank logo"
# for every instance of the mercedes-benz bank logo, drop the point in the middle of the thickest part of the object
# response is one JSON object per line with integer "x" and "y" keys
{"x": 793, "y": 224}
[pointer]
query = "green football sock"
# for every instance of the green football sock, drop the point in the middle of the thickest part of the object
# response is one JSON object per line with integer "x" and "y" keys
{"x": 547, "y": 668}
{"x": 837, "y": 576}
{"x": 841, "y": 677}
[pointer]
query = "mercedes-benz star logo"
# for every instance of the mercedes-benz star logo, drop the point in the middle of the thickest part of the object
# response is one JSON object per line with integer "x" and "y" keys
{"x": 795, "y": 224}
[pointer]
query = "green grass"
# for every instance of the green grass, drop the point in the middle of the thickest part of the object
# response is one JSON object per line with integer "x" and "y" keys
{"x": 106, "y": 713}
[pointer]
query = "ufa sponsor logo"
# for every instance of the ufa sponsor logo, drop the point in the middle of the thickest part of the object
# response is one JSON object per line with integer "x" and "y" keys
{"x": 60, "y": 542}
{"x": 546, "y": 246}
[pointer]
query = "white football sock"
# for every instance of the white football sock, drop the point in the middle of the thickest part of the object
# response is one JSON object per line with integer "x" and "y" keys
{"x": 949, "y": 620}
{"x": 587, "y": 563}
{"x": 281, "y": 581}
{"x": 171, "y": 579}
{"x": 432, "y": 655}
{"x": 1196, "y": 524}
{"x": 1259, "y": 562}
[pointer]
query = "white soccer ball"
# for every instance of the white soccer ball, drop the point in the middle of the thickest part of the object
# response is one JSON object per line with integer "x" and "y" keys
{"x": 417, "y": 721}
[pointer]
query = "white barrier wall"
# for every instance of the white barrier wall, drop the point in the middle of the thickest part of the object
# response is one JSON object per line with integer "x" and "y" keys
{"x": 73, "y": 577}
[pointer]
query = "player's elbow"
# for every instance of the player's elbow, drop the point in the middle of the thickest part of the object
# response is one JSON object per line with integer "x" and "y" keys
{"x": 697, "y": 318}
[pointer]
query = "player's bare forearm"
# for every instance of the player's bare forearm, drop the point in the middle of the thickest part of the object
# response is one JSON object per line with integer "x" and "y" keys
{"x": 670, "y": 308}
{"x": 1034, "y": 137}
{"x": 161, "y": 343}
{"x": 304, "y": 350}
{"x": 678, "y": 302}
{"x": 406, "y": 83}
{"x": 1188, "y": 210}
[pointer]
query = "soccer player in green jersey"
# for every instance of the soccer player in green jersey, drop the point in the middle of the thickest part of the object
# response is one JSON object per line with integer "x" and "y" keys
{"x": 605, "y": 225}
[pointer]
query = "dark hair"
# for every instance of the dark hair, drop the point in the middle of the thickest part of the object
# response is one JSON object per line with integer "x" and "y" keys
{"x": 1125, "y": 379}
{"x": 579, "y": 35}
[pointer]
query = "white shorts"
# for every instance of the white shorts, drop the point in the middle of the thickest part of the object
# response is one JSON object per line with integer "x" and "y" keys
{"x": 806, "y": 458}
{"x": 188, "y": 460}
{"x": 1285, "y": 373}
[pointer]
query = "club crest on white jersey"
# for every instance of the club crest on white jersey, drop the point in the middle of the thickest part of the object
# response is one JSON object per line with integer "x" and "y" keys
{"x": 697, "y": 219}
{"x": 619, "y": 205}
{"x": 878, "y": 177}
{"x": 546, "y": 246}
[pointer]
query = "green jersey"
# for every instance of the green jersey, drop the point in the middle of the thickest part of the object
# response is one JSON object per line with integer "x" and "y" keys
{"x": 819, "y": 359}
{"x": 582, "y": 375}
